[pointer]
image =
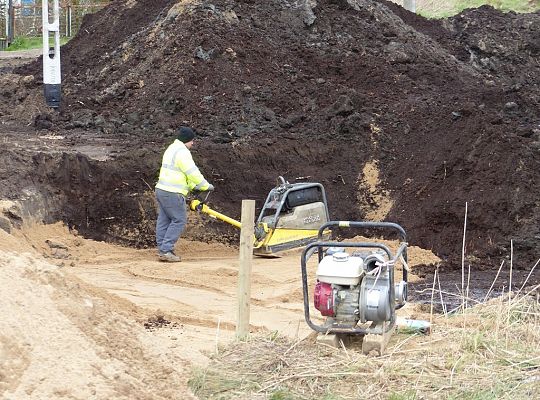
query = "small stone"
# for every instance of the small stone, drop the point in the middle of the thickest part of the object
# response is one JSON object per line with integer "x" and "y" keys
{"x": 329, "y": 340}
{"x": 456, "y": 115}
{"x": 133, "y": 118}
{"x": 99, "y": 121}
{"x": 14, "y": 212}
{"x": 5, "y": 224}
{"x": 342, "y": 106}
{"x": 511, "y": 106}
{"x": 202, "y": 54}
{"x": 53, "y": 244}
{"x": 43, "y": 121}
{"x": 27, "y": 79}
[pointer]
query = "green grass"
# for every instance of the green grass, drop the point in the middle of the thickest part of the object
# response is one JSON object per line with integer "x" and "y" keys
{"x": 408, "y": 395}
{"x": 445, "y": 9}
{"x": 215, "y": 385}
{"x": 488, "y": 352}
{"x": 281, "y": 395}
{"x": 27, "y": 43}
{"x": 503, "y": 5}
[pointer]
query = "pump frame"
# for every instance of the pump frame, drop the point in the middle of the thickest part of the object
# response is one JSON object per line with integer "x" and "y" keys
{"x": 319, "y": 246}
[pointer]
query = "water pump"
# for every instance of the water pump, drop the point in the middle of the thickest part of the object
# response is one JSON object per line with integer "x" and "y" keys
{"x": 355, "y": 285}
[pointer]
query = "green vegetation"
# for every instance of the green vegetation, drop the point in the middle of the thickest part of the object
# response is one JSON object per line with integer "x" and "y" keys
{"x": 442, "y": 9}
{"x": 27, "y": 43}
{"x": 409, "y": 395}
{"x": 486, "y": 352}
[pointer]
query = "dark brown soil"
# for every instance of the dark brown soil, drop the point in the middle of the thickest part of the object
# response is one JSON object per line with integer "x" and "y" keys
{"x": 447, "y": 109}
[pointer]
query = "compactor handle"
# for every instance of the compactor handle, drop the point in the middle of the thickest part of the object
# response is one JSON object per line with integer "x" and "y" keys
{"x": 199, "y": 200}
{"x": 202, "y": 196}
{"x": 198, "y": 204}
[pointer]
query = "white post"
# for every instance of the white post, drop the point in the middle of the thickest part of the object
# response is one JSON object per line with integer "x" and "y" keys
{"x": 410, "y": 5}
{"x": 52, "y": 77}
{"x": 244, "y": 270}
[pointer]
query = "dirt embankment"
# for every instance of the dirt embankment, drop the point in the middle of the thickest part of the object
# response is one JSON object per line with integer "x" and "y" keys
{"x": 400, "y": 118}
{"x": 442, "y": 113}
{"x": 63, "y": 338}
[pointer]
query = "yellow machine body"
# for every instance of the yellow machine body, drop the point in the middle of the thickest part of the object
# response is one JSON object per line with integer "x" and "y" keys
{"x": 281, "y": 239}
{"x": 290, "y": 217}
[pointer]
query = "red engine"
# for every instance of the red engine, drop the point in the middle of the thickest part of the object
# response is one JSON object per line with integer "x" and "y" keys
{"x": 323, "y": 299}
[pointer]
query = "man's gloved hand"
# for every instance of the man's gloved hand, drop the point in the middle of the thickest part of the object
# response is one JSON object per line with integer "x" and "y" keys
{"x": 210, "y": 187}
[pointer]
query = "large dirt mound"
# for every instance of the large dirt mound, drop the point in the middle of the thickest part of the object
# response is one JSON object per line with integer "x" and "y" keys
{"x": 61, "y": 338}
{"x": 399, "y": 117}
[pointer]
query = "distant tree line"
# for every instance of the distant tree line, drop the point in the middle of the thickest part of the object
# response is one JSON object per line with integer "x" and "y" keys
{"x": 25, "y": 18}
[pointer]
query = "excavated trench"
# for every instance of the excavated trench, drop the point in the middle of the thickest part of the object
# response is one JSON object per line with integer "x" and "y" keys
{"x": 400, "y": 118}
{"x": 439, "y": 113}
{"x": 103, "y": 188}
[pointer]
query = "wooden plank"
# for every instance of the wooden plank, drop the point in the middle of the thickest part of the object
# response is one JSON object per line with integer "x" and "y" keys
{"x": 245, "y": 266}
{"x": 375, "y": 345}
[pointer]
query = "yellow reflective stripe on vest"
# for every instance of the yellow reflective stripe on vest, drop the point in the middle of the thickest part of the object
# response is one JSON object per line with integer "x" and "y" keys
{"x": 203, "y": 184}
{"x": 171, "y": 167}
{"x": 179, "y": 187}
{"x": 191, "y": 170}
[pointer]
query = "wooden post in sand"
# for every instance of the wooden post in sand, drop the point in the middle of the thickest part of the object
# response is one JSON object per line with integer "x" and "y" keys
{"x": 244, "y": 270}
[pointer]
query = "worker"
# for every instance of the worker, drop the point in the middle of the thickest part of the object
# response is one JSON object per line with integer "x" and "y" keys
{"x": 178, "y": 176}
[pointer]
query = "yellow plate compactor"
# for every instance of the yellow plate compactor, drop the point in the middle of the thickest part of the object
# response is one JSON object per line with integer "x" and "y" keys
{"x": 290, "y": 217}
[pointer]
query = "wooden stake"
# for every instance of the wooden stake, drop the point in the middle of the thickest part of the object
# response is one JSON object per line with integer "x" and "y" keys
{"x": 244, "y": 272}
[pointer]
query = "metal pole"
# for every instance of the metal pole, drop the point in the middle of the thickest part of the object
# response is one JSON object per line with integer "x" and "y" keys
{"x": 11, "y": 22}
{"x": 410, "y": 5}
{"x": 52, "y": 77}
{"x": 69, "y": 15}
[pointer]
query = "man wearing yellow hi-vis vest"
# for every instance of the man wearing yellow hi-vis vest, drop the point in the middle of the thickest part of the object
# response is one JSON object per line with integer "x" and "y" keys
{"x": 178, "y": 176}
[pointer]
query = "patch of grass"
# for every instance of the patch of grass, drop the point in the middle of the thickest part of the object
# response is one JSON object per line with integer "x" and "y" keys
{"x": 408, "y": 395}
{"x": 503, "y": 5}
{"x": 444, "y": 9}
{"x": 490, "y": 351}
{"x": 498, "y": 391}
{"x": 28, "y": 43}
{"x": 212, "y": 384}
{"x": 331, "y": 397}
{"x": 476, "y": 343}
{"x": 281, "y": 395}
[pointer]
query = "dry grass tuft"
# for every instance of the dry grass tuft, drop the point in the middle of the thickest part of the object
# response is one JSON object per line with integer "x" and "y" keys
{"x": 491, "y": 351}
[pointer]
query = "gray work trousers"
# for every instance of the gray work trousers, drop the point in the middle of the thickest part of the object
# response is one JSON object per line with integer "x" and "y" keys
{"x": 171, "y": 220}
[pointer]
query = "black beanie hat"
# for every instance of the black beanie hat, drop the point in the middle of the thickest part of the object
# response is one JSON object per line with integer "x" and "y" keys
{"x": 185, "y": 134}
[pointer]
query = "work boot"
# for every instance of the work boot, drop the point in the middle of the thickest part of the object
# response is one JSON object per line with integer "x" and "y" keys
{"x": 169, "y": 256}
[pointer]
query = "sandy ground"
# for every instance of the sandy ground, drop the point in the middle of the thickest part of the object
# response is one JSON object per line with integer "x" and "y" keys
{"x": 26, "y": 54}
{"x": 11, "y": 59}
{"x": 87, "y": 319}
{"x": 90, "y": 320}
{"x": 83, "y": 319}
